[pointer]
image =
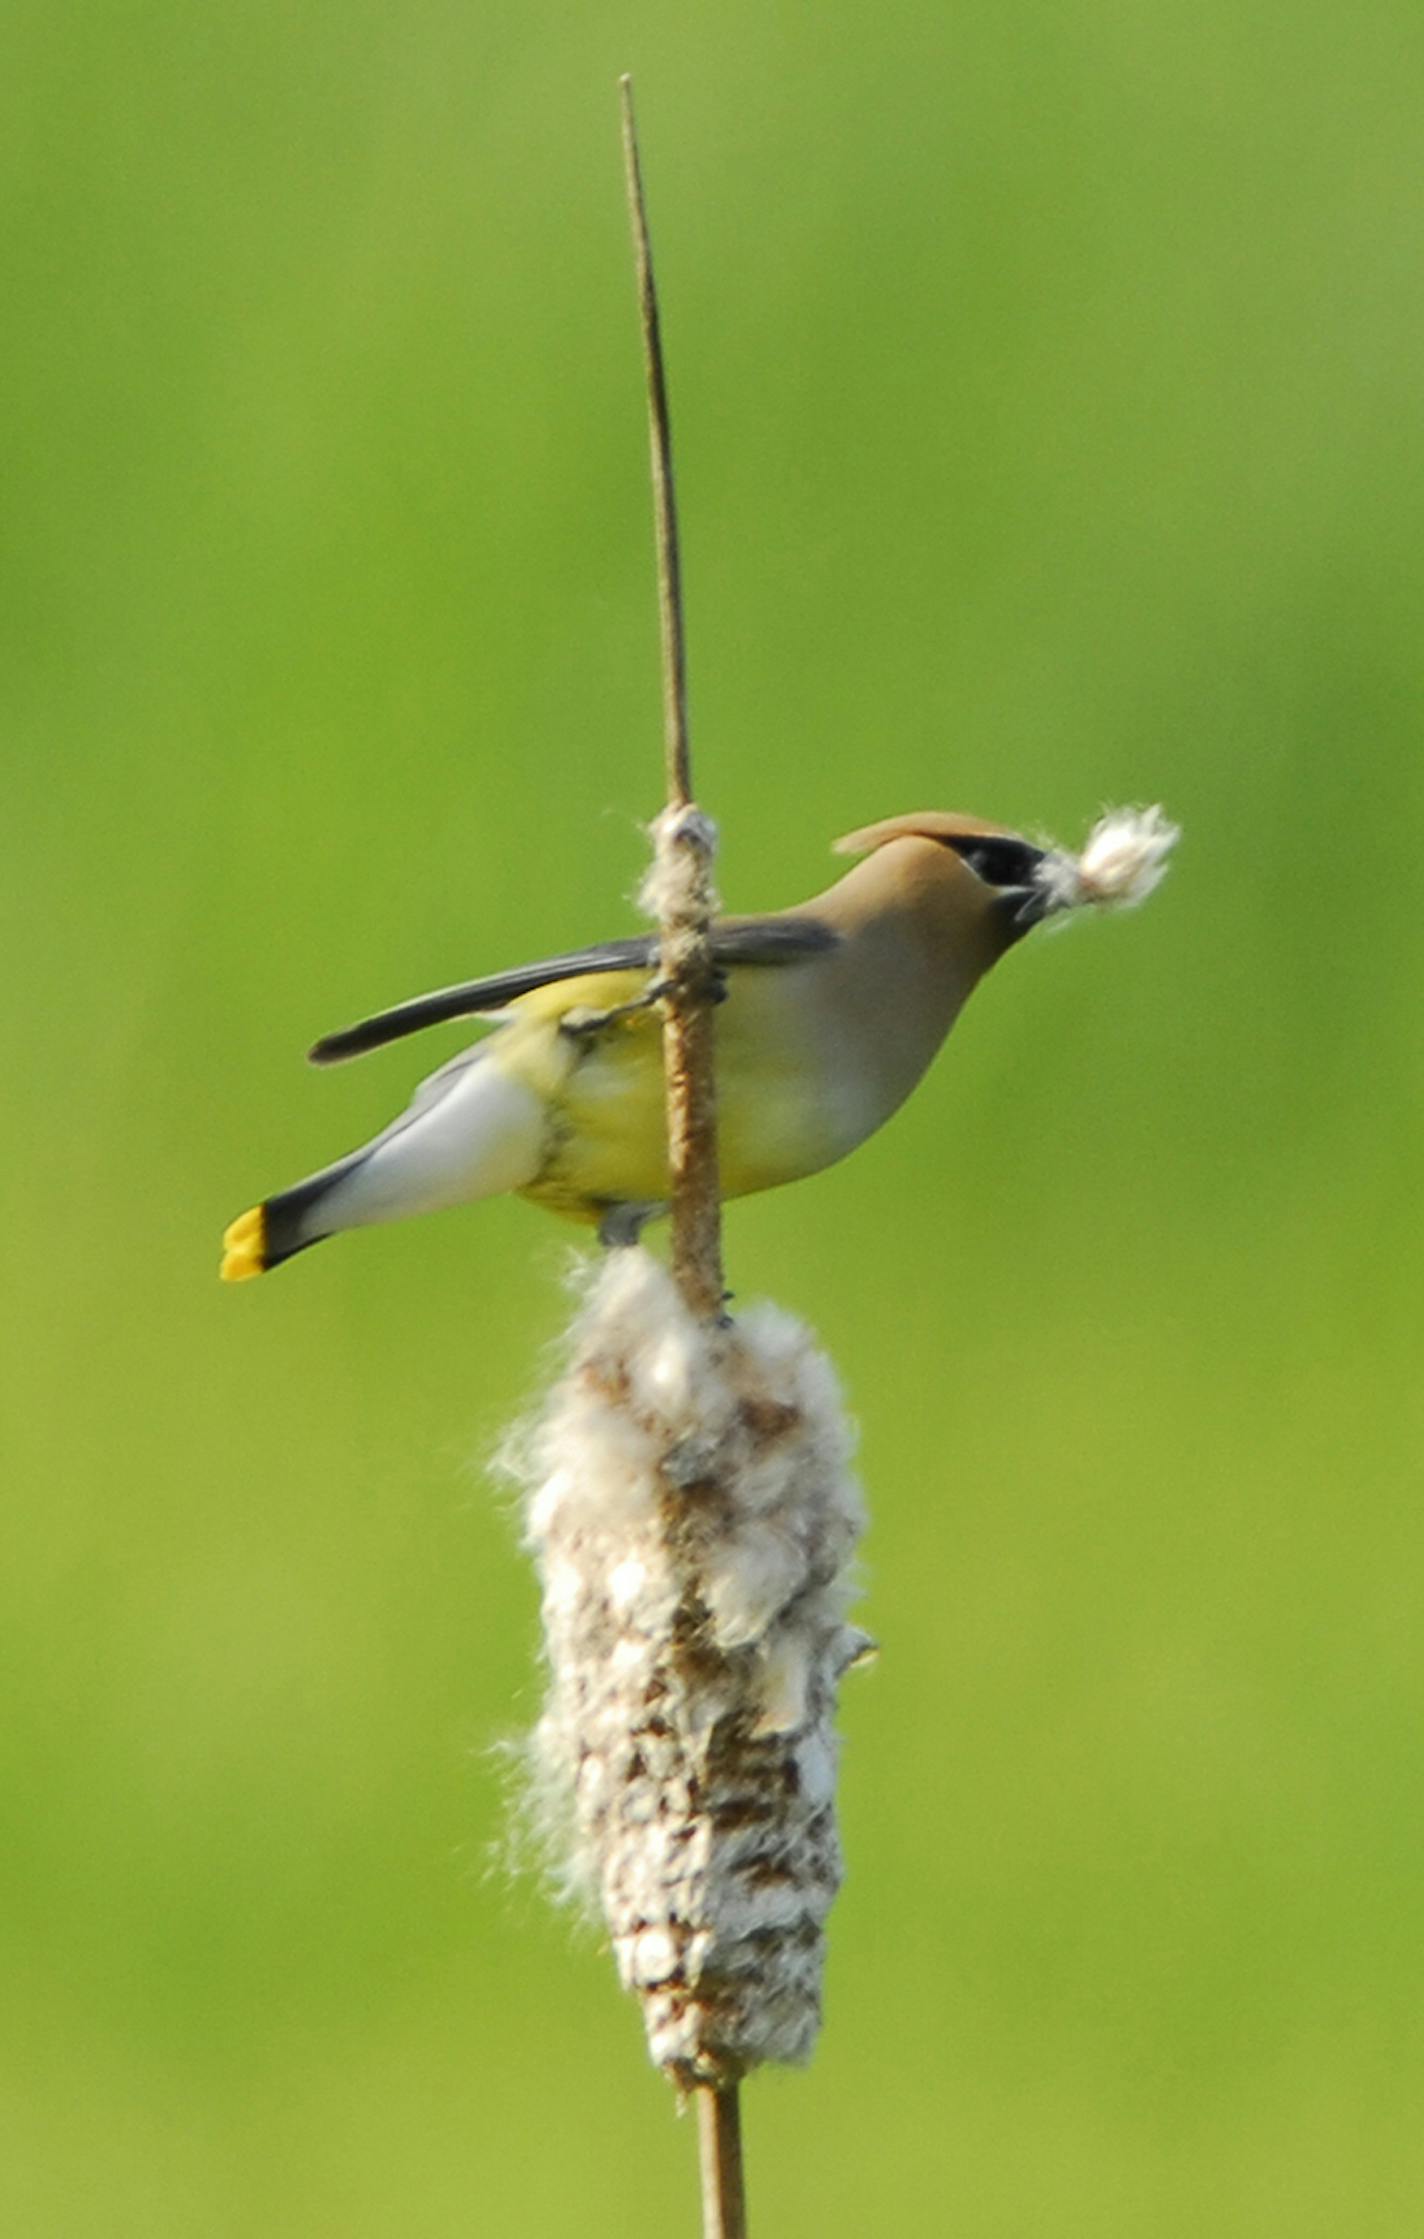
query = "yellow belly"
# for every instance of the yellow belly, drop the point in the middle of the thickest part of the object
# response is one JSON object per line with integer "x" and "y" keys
{"x": 777, "y": 1110}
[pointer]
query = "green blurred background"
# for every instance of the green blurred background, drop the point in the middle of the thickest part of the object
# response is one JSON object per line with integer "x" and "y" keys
{"x": 1047, "y": 383}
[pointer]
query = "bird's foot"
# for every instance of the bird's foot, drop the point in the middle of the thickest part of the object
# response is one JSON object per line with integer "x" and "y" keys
{"x": 622, "y": 1225}
{"x": 582, "y": 1020}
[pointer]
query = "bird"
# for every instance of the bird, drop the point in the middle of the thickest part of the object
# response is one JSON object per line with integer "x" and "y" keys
{"x": 829, "y": 1014}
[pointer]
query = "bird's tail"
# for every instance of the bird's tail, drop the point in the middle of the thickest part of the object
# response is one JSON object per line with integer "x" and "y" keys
{"x": 472, "y": 1131}
{"x": 283, "y": 1225}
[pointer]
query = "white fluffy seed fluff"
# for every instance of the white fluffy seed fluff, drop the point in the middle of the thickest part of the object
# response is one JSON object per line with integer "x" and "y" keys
{"x": 677, "y": 888}
{"x": 1123, "y": 859}
{"x": 692, "y": 1510}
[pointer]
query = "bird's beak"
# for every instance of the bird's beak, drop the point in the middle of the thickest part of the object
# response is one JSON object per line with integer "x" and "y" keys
{"x": 1022, "y": 907}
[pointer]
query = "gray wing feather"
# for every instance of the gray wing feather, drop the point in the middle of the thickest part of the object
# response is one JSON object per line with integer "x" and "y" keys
{"x": 749, "y": 940}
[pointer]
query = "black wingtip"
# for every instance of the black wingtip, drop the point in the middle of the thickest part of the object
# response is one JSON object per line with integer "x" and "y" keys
{"x": 390, "y": 1026}
{"x": 333, "y": 1049}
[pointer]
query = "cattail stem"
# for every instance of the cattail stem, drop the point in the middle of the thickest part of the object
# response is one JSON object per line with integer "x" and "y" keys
{"x": 679, "y": 765}
{"x": 719, "y": 2135}
{"x": 685, "y": 858}
{"x": 692, "y": 1509}
{"x": 685, "y": 839}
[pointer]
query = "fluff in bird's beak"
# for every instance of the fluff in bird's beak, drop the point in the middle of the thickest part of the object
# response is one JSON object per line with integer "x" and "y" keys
{"x": 1123, "y": 859}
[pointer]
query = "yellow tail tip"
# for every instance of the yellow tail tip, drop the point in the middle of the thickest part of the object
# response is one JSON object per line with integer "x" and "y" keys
{"x": 244, "y": 1247}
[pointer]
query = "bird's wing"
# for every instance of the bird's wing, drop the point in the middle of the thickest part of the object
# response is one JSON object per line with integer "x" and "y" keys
{"x": 747, "y": 940}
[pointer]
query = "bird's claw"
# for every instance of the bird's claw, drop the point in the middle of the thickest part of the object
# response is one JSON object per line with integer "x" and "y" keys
{"x": 582, "y": 1021}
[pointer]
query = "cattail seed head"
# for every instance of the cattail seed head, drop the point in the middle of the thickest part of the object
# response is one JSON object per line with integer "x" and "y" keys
{"x": 691, "y": 1507}
{"x": 1122, "y": 861}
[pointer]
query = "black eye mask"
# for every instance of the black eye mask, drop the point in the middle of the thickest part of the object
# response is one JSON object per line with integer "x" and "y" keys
{"x": 998, "y": 861}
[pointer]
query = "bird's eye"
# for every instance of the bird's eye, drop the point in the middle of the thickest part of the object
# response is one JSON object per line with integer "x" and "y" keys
{"x": 998, "y": 861}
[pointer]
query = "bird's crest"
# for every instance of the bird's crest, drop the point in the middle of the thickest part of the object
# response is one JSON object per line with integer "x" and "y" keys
{"x": 921, "y": 824}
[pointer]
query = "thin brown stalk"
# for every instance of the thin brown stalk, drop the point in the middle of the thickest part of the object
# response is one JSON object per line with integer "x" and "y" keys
{"x": 687, "y": 964}
{"x": 678, "y": 760}
{"x": 719, "y": 2134}
{"x": 689, "y": 1031}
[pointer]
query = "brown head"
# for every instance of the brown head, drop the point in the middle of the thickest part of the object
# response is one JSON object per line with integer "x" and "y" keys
{"x": 982, "y": 875}
{"x": 933, "y": 905}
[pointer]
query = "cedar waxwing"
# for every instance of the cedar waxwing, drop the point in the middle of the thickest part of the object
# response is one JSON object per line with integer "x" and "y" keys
{"x": 832, "y": 1012}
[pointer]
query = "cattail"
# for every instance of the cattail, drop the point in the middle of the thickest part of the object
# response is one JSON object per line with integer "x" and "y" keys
{"x": 692, "y": 1510}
